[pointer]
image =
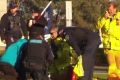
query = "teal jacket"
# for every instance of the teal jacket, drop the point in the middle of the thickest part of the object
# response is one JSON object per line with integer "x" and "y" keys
{"x": 13, "y": 53}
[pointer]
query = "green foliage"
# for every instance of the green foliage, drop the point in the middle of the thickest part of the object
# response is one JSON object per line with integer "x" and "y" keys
{"x": 100, "y": 76}
{"x": 87, "y": 12}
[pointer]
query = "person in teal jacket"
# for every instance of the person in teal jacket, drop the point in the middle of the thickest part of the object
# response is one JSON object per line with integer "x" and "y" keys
{"x": 10, "y": 60}
{"x": 12, "y": 54}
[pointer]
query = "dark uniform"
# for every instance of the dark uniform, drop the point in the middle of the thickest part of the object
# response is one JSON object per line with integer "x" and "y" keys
{"x": 37, "y": 59}
{"x": 12, "y": 27}
{"x": 84, "y": 42}
{"x": 37, "y": 53}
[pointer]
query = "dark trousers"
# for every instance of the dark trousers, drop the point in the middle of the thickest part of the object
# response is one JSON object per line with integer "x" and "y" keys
{"x": 36, "y": 71}
{"x": 38, "y": 75}
{"x": 7, "y": 72}
{"x": 89, "y": 56}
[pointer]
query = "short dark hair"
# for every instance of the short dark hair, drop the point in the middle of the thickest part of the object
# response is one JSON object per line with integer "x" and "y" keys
{"x": 35, "y": 31}
{"x": 36, "y": 10}
{"x": 13, "y": 5}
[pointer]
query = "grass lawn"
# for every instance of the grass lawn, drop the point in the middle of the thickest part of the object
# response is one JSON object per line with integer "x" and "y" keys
{"x": 100, "y": 76}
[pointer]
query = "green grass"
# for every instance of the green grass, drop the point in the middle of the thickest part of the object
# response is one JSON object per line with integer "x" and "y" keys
{"x": 100, "y": 76}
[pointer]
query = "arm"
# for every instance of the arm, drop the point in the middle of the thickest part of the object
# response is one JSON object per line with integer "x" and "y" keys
{"x": 74, "y": 44}
{"x": 24, "y": 28}
{"x": 3, "y": 26}
{"x": 101, "y": 22}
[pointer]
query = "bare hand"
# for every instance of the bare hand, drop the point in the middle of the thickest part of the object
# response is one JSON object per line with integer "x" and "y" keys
{"x": 107, "y": 15}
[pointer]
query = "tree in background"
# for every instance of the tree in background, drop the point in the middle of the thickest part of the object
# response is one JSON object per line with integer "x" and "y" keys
{"x": 85, "y": 12}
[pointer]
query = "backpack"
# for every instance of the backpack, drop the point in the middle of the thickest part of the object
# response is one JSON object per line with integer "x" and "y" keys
{"x": 26, "y": 63}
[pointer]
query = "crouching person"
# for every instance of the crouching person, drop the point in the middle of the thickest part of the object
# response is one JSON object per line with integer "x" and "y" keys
{"x": 10, "y": 61}
{"x": 7, "y": 72}
{"x": 38, "y": 54}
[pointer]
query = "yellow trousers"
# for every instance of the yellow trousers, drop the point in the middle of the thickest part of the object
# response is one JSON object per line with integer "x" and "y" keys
{"x": 113, "y": 57}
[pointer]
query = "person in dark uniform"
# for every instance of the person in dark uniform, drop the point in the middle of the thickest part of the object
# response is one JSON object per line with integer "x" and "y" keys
{"x": 12, "y": 26}
{"x": 84, "y": 42}
{"x": 35, "y": 17}
{"x": 38, "y": 54}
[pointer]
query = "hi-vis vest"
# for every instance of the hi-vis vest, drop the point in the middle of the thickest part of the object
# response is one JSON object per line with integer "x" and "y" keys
{"x": 65, "y": 55}
{"x": 78, "y": 68}
{"x": 110, "y": 32}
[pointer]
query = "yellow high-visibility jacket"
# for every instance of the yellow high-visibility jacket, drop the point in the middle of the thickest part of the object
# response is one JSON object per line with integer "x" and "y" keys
{"x": 110, "y": 32}
{"x": 65, "y": 55}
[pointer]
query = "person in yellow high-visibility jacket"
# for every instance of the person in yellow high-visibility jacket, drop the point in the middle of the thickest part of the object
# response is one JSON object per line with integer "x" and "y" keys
{"x": 110, "y": 29}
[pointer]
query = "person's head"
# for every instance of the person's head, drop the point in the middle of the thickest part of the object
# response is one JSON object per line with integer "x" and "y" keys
{"x": 112, "y": 8}
{"x": 13, "y": 7}
{"x": 54, "y": 31}
{"x": 36, "y": 32}
{"x": 35, "y": 12}
{"x": 41, "y": 22}
{"x": 37, "y": 29}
